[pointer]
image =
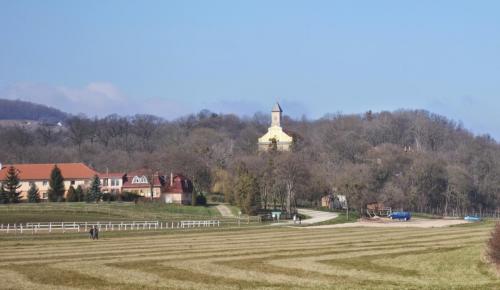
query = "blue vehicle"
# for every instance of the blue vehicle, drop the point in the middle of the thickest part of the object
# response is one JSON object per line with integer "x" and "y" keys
{"x": 400, "y": 215}
{"x": 472, "y": 218}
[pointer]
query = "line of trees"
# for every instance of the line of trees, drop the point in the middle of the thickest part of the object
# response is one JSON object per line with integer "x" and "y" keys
{"x": 413, "y": 160}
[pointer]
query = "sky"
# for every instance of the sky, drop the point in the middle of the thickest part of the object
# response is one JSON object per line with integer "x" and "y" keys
{"x": 172, "y": 58}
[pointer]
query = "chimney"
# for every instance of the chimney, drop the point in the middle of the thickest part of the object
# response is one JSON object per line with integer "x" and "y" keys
{"x": 171, "y": 178}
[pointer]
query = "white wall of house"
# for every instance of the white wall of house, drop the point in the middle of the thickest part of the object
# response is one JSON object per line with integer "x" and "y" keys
{"x": 178, "y": 198}
{"x": 43, "y": 186}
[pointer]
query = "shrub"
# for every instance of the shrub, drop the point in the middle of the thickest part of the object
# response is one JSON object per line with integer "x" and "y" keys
{"x": 71, "y": 196}
{"x": 201, "y": 200}
{"x": 494, "y": 245}
{"x": 129, "y": 196}
{"x": 109, "y": 196}
{"x": 215, "y": 197}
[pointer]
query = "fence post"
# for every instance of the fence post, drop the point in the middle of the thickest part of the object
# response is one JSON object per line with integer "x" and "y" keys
{"x": 85, "y": 226}
{"x": 50, "y": 227}
{"x": 8, "y": 227}
{"x": 63, "y": 227}
{"x": 21, "y": 228}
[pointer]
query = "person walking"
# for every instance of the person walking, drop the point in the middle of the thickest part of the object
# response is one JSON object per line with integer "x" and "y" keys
{"x": 96, "y": 233}
{"x": 91, "y": 233}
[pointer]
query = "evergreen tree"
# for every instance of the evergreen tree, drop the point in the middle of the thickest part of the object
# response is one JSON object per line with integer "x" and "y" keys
{"x": 94, "y": 193}
{"x": 33, "y": 194}
{"x": 3, "y": 195}
{"x": 11, "y": 184}
{"x": 71, "y": 196}
{"x": 56, "y": 183}
{"x": 80, "y": 195}
{"x": 247, "y": 192}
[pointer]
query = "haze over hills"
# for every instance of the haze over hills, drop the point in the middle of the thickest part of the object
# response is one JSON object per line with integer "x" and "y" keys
{"x": 22, "y": 110}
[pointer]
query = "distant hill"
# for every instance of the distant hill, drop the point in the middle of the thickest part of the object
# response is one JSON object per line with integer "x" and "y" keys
{"x": 22, "y": 110}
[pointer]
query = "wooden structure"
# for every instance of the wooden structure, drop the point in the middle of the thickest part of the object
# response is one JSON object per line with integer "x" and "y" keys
{"x": 377, "y": 209}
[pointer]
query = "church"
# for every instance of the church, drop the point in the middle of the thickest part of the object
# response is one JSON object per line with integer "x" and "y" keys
{"x": 275, "y": 136}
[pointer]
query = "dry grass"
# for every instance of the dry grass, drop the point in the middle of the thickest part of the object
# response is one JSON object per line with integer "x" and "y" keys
{"x": 253, "y": 258}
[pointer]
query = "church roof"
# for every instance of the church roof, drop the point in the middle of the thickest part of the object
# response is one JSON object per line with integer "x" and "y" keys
{"x": 277, "y": 108}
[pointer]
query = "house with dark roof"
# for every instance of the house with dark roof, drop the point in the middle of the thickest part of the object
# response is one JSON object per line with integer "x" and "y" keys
{"x": 74, "y": 174}
{"x": 178, "y": 190}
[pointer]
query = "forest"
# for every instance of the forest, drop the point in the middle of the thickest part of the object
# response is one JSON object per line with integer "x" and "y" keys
{"x": 407, "y": 159}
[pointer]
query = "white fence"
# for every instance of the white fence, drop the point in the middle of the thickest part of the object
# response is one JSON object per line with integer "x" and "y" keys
{"x": 63, "y": 227}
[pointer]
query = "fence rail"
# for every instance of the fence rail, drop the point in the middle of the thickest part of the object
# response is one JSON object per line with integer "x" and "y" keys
{"x": 63, "y": 227}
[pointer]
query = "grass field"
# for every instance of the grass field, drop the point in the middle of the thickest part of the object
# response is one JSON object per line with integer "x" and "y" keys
{"x": 68, "y": 212}
{"x": 256, "y": 258}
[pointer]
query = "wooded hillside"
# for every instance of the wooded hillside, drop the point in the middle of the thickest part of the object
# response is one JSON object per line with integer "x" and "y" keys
{"x": 22, "y": 110}
{"x": 413, "y": 160}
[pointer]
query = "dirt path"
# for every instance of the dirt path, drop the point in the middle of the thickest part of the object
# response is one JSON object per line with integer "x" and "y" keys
{"x": 386, "y": 223}
{"x": 224, "y": 210}
{"x": 316, "y": 216}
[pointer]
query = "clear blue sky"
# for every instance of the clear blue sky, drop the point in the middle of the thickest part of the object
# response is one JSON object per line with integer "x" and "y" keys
{"x": 176, "y": 57}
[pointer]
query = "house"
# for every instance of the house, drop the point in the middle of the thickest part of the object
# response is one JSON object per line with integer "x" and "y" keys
{"x": 74, "y": 174}
{"x": 327, "y": 201}
{"x": 111, "y": 182}
{"x": 139, "y": 183}
{"x": 178, "y": 190}
{"x": 332, "y": 201}
{"x": 275, "y": 136}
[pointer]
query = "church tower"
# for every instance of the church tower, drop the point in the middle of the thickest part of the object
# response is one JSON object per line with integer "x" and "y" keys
{"x": 276, "y": 115}
{"x": 275, "y": 136}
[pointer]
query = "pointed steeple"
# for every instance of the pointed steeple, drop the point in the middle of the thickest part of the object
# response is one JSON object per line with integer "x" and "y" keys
{"x": 277, "y": 108}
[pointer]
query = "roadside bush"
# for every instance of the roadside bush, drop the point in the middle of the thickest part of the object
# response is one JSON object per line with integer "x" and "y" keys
{"x": 494, "y": 245}
{"x": 201, "y": 200}
{"x": 109, "y": 196}
{"x": 129, "y": 196}
{"x": 215, "y": 197}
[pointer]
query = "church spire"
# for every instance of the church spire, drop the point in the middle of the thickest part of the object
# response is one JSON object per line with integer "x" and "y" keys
{"x": 276, "y": 115}
{"x": 277, "y": 108}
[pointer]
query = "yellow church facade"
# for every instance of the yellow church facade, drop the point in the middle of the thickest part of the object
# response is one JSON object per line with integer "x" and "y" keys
{"x": 275, "y": 133}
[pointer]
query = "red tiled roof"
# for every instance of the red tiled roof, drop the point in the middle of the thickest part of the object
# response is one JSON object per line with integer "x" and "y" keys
{"x": 42, "y": 171}
{"x": 112, "y": 175}
{"x": 181, "y": 184}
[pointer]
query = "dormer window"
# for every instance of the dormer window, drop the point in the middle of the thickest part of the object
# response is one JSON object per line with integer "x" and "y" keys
{"x": 139, "y": 179}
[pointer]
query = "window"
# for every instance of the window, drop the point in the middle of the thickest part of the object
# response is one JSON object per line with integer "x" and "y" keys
{"x": 141, "y": 179}
{"x": 44, "y": 195}
{"x": 105, "y": 182}
{"x": 45, "y": 182}
{"x": 115, "y": 182}
{"x": 72, "y": 182}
